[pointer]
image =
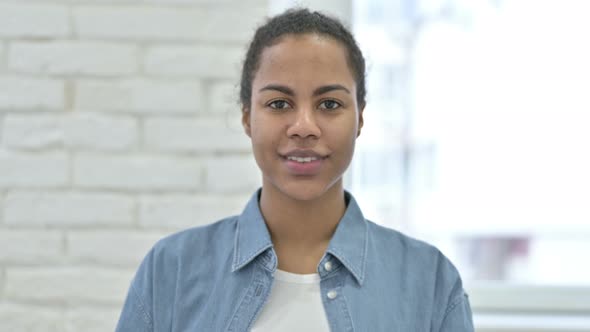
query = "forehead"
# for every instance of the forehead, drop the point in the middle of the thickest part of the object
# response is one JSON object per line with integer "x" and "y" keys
{"x": 308, "y": 57}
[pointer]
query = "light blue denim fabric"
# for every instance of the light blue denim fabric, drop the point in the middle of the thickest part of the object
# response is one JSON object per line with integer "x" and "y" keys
{"x": 218, "y": 277}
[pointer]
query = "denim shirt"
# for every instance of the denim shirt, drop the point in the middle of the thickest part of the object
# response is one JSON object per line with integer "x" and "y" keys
{"x": 218, "y": 278}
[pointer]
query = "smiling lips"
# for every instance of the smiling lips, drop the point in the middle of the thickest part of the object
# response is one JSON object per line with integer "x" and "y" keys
{"x": 303, "y": 162}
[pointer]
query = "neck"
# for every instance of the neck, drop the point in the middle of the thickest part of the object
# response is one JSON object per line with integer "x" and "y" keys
{"x": 301, "y": 230}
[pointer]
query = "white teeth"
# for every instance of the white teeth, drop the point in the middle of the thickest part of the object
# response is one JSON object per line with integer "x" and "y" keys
{"x": 302, "y": 159}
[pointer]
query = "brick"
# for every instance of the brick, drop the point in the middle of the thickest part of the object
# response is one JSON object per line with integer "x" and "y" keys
{"x": 30, "y": 318}
{"x": 30, "y": 247}
{"x": 2, "y": 55}
{"x": 91, "y": 319}
{"x": 27, "y": 93}
{"x": 33, "y": 170}
{"x": 69, "y": 285}
{"x": 232, "y": 174}
{"x": 68, "y": 208}
{"x": 201, "y": 61}
{"x": 168, "y": 24}
{"x": 34, "y": 20}
{"x": 100, "y": 132}
{"x": 110, "y": 247}
{"x": 236, "y": 24}
{"x": 184, "y": 211}
{"x": 75, "y": 130}
{"x": 137, "y": 172}
{"x": 137, "y": 23}
{"x": 224, "y": 99}
{"x": 69, "y": 57}
{"x": 32, "y": 131}
{"x": 188, "y": 135}
{"x": 233, "y": 3}
{"x": 140, "y": 96}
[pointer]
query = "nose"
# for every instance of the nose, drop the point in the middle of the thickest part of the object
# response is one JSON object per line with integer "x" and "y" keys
{"x": 304, "y": 124}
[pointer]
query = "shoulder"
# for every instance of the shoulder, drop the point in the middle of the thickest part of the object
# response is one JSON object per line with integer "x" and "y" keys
{"x": 390, "y": 240}
{"x": 414, "y": 256}
{"x": 418, "y": 265}
{"x": 188, "y": 247}
{"x": 182, "y": 256}
{"x": 197, "y": 246}
{"x": 198, "y": 239}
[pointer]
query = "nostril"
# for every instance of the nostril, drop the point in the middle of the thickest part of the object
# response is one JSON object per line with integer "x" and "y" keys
{"x": 304, "y": 129}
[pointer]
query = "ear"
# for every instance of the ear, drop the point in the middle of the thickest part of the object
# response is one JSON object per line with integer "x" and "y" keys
{"x": 361, "y": 120}
{"x": 246, "y": 120}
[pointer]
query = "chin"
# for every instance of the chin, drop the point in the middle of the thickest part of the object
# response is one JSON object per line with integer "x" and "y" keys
{"x": 306, "y": 190}
{"x": 303, "y": 195}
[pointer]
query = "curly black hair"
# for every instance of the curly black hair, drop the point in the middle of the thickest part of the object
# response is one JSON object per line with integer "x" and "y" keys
{"x": 297, "y": 22}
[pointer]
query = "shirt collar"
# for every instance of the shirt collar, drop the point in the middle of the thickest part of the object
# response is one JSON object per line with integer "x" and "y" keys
{"x": 348, "y": 244}
{"x": 252, "y": 236}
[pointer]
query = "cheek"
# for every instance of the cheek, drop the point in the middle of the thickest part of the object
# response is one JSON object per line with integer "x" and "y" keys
{"x": 267, "y": 124}
{"x": 343, "y": 133}
{"x": 257, "y": 129}
{"x": 265, "y": 137}
{"x": 258, "y": 136}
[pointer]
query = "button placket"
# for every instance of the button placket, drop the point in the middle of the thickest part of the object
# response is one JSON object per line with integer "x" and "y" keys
{"x": 334, "y": 300}
{"x": 332, "y": 294}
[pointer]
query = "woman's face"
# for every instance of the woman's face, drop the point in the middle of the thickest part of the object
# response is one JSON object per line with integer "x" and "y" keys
{"x": 304, "y": 118}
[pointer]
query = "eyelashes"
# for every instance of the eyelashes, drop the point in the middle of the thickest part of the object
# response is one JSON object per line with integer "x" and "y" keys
{"x": 327, "y": 104}
{"x": 330, "y": 104}
{"x": 279, "y": 104}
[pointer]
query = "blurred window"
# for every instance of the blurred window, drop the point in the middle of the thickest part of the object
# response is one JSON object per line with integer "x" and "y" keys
{"x": 477, "y": 134}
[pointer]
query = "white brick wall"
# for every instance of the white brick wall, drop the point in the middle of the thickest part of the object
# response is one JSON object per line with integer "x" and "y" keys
{"x": 233, "y": 181}
{"x": 79, "y": 131}
{"x": 194, "y": 61}
{"x": 31, "y": 131}
{"x": 91, "y": 319}
{"x": 183, "y": 211}
{"x": 90, "y": 131}
{"x": 67, "y": 285}
{"x": 23, "y": 93}
{"x": 119, "y": 124}
{"x": 224, "y": 98}
{"x": 42, "y": 169}
{"x": 137, "y": 172}
{"x": 31, "y": 246}
{"x": 199, "y": 135}
{"x": 74, "y": 209}
{"x": 2, "y": 56}
{"x": 73, "y": 58}
{"x": 34, "y": 20}
{"x": 225, "y": 24}
{"x": 30, "y": 318}
{"x": 140, "y": 95}
{"x": 96, "y": 247}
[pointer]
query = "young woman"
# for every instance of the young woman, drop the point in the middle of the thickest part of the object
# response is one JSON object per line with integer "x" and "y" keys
{"x": 301, "y": 256}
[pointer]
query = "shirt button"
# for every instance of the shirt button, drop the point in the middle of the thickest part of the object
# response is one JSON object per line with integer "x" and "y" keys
{"x": 328, "y": 266}
{"x": 332, "y": 294}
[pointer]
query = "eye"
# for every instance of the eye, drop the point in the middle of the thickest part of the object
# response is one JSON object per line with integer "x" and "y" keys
{"x": 330, "y": 104}
{"x": 279, "y": 104}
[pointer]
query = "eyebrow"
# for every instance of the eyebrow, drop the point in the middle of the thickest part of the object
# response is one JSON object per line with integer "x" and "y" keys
{"x": 319, "y": 91}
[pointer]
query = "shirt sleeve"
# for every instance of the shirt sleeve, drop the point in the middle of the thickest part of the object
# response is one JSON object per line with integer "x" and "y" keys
{"x": 458, "y": 317}
{"x": 134, "y": 316}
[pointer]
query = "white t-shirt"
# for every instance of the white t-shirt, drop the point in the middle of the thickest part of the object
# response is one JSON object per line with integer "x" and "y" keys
{"x": 294, "y": 304}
